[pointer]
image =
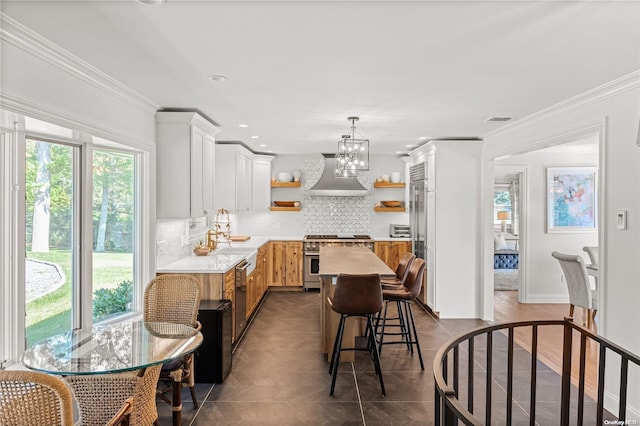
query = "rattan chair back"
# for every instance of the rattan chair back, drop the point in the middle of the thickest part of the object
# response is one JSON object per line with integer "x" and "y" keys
{"x": 172, "y": 298}
{"x": 101, "y": 395}
{"x": 32, "y": 398}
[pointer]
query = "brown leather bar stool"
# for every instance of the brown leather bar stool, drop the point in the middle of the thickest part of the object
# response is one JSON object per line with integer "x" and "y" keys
{"x": 402, "y": 271}
{"x": 403, "y": 297}
{"x": 356, "y": 296}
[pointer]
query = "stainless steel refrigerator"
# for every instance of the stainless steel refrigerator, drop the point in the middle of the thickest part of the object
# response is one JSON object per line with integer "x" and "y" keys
{"x": 418, "y": 214}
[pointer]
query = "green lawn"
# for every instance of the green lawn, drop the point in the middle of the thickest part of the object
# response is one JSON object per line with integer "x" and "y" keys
{"x": 51, "y": 314}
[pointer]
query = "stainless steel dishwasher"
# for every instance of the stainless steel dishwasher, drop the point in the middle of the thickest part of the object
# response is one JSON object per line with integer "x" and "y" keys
{"x": 241, "y": 299}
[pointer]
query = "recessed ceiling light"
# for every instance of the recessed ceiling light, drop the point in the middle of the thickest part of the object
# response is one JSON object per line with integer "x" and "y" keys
{"x": 152, "y": 2}
{"x": 270, "y": 150}
{"x": 262, "y": 145}
{"x": 409, "y": 146}
{"x": 497, "y": 119}
{"x": 243, "y": 125}
{"x": 423, "y": 138}
{"x": 398, "y": 152}
{"x": 216, "y": 77}
{"x": 255, "y": 137}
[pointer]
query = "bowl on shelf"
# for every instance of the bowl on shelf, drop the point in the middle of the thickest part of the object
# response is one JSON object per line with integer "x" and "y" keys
{"x": 391, "y": 203}
{"x": 285, "y": 177}
{"x": 285, "y": 203}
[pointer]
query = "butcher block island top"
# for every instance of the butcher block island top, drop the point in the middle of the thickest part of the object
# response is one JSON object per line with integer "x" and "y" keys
{"x": 351, "y": 260}
{"x": 344, "y": 260}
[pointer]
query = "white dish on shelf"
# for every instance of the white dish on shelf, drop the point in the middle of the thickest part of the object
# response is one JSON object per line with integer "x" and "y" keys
{"x": 285, "y": 177}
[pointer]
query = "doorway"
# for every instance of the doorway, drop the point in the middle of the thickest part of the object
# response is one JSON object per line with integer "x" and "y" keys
{"x": 507, "y": 214}
{"x": 540, "y": 280}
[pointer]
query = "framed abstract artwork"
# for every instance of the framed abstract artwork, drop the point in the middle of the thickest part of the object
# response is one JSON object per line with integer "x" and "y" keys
{"x": 571, "y": 199}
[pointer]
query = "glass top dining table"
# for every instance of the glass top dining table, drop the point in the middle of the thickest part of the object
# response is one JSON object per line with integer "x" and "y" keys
{"x": 112, "y": 348}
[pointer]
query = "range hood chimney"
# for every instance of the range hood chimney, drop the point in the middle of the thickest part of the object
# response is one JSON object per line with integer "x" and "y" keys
{"x": 331, "y": 186}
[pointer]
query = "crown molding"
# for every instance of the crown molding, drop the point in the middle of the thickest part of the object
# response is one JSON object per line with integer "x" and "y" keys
{"x": 13, "y": 32}
{"x": 613, "y": 88}
{"x": 18, "y": 106}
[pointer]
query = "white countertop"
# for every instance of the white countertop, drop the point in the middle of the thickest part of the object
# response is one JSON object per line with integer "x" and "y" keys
{"x": 217, "y": 262}
{"x": 212, "y": 263}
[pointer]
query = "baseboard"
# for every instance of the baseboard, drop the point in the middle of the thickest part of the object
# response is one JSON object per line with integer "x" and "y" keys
{"x": 547, "y": 298}
{"x": 611, "y": 402}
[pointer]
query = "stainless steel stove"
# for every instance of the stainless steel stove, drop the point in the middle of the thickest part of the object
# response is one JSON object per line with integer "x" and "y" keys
{"x": 311, "y": 249}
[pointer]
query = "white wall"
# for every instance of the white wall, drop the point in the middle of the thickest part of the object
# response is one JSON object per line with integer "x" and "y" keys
{"x": 67, "y": 87}
{"x": 543, "y": 273}
{"x": 614, "y": 111}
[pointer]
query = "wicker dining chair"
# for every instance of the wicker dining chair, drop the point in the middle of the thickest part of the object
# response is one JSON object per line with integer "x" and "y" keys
{"x": 174, "y": 298}
{"x": 33, "y": 398}
{"x": 99, "y": 395}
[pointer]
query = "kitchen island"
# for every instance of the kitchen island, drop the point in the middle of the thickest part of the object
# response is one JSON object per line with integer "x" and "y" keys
{"x": 344, "y": 260}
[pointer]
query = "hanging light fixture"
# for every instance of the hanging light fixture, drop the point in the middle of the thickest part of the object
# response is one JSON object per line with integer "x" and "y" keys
{"x": 353, "y": 154}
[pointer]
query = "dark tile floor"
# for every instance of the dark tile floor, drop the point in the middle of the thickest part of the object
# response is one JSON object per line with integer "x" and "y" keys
{"x": 279, "y": 376}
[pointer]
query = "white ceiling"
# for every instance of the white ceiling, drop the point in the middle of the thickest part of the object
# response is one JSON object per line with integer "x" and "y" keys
{"x": 297, "y": 70}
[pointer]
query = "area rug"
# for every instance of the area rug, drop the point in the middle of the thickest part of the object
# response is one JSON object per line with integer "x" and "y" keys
{"x": 505, "y": 279}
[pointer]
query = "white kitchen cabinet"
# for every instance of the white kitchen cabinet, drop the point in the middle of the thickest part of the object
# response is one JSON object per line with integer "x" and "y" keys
{"x": 242, "y": 179}
{"x": 244, "y": 182}
{"x": 261, "y": 188}
{"x": 185, "y": 150}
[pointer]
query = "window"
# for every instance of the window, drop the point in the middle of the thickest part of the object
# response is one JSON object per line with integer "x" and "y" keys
{"x": 51, "y": 262}
{"x": 65, "y": 186}
{"x": 114, "y": 233}
{"x": 501, "y": 203}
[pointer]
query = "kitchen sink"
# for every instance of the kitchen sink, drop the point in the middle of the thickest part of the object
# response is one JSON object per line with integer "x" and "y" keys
{"x": 250, "y": 254}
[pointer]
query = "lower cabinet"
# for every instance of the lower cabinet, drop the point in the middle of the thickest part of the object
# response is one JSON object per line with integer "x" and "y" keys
{"x": 257, "y": 281}
{"x": 285, "y": 263}
{"x": 391, "y": 251}
{"x": 216, "y": 287}
{"x": 230, "y": 294}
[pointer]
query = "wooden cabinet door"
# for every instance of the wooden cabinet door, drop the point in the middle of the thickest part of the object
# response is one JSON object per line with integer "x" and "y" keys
{"x": 294, "y": 259}
{"x": 251, "y": 294}
{"x": 230, "y": 294}
{"x": 262, "y": 266}
{"x": 391, "y": 251}
{"x": 277, "y": 263}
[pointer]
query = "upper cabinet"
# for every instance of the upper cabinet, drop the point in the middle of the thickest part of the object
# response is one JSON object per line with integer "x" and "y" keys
{"x": 242, "y": 179}
{"x": 185, "y": 150}
{"x": 261, "y": 191}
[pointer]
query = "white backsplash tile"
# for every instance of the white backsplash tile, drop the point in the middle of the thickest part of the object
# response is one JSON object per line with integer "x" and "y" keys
{"x": 324, "y": 215}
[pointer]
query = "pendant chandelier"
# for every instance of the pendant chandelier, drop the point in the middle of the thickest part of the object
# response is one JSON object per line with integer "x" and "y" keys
{"x": 353, "y": 153}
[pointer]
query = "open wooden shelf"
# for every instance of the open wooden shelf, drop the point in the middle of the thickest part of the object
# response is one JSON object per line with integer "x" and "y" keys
{"x": 389, "y": 185}
{"x": 285, "y": 184}
{"x": 284, "y": 209}
{"x": 389, "y": 209}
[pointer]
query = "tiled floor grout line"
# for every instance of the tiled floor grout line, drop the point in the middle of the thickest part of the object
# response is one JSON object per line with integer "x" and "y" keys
{"x": 193, "y": 419}
{"x": 355, "y": 379}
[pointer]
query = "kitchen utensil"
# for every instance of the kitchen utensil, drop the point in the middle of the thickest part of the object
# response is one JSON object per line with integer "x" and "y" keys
{"x": 285, "y": 177}
{"x": 391, "y": 203}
